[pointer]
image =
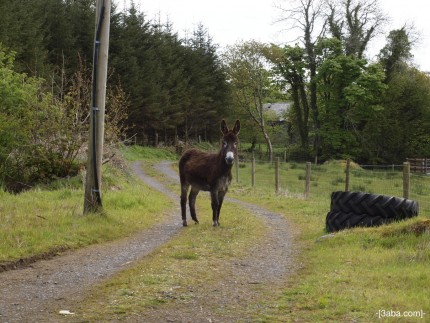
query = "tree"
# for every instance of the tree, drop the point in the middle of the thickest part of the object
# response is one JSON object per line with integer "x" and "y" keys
{"x": 208, "y": 90}
{"x": 291, "y": 66}
{"x": 350, "y": 92}
{"x": 397, "y": 52}
{"x": 252, "y": 82}
{"x": 20, "y": 30}
{"x": 401, "y": 130}
{"x": 355, "y": 24}
{"x": 307, "y": 16}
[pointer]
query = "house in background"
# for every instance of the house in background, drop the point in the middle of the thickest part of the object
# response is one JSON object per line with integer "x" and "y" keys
{"x": 279, "y": 110}
{"x": 278, "y": 116}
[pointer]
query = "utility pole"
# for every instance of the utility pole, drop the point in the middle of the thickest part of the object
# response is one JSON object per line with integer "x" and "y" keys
{"x": 92, "y": 200}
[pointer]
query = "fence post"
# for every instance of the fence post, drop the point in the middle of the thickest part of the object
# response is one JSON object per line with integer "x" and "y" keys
{"x": 253, "y": 171}
{"x": 237, "y": 170}
{"x": 347, "y": 173}
{"x": 406, "y": 179}
{"x": 277, "y": 175}
{"x": 308, "y": 179}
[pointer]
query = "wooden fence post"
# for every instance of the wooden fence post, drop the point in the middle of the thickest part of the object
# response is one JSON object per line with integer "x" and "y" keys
{"x": 347, "y": 173}
{"x": 237, "y": 170}
{"x": 253, "y": 171}
{"x": 406, "y": 179}
{"x": 308, "y": 179}
{"x": 277, "y": 175}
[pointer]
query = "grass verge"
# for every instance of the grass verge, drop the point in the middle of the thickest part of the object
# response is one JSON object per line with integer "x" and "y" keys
{"x": 45, "y": 220}
{"x": 362, "y": 274}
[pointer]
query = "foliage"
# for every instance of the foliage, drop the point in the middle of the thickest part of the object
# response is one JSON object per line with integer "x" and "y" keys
{"x": 252, "y": 82}
{"x": 396, "y": 53}
{"x": 41, "y": 136}
{"x": 401, "y": 130}
{"x": 30, "y": 118}
{"x": 354, "y": 23}
{"x": 291, "y": 68}
{"x": 176, "y": 87}
{"x": 349, "y": 95}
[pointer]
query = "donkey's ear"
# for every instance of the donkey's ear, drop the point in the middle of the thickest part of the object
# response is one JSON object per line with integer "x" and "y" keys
{"x": 224, "y": 128}
{"x": 236, "y": 128}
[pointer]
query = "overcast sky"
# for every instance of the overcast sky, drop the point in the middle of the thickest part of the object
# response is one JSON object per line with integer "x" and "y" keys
{"x": 230, "y": 21}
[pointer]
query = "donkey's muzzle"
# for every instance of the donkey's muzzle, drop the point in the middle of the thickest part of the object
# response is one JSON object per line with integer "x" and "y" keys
{"x": 229, "y": 158}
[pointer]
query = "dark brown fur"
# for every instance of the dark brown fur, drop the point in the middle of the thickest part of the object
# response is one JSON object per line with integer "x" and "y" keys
{"x": 208, "y": 172}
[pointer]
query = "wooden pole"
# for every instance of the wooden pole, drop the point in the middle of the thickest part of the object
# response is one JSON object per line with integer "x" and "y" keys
{"x": 237, "y": 169}
{"x": 253, "y": 171}
{"x": 308, "y": 179}
{"x": 347, "y": 174}
{"x": 406, "y": 179}
{"x": 277, "y": 175}
{"x": 92, "y": 200}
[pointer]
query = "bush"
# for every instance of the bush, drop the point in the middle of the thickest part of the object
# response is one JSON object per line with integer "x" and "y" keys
{"x": 41, "y": 136}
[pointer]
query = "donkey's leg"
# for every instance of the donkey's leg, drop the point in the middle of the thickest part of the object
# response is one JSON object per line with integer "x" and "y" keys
{"x": 192, "y": 201}
{"x": 184, "y": 191}
{"x": 221, "y": 195}
{"x": 215, "y": 206}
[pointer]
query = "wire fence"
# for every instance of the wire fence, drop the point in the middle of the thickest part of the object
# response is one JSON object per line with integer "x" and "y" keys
{"x": 318, "y": 181}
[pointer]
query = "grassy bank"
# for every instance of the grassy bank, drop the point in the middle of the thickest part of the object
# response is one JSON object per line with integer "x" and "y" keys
{"x": 49, "y": 219}
{"x": 361, "y": 274}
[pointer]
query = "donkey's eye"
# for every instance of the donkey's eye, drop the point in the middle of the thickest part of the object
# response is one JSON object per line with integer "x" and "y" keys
{"x": 224, "y": 143}
{"x": 235, "y": 144}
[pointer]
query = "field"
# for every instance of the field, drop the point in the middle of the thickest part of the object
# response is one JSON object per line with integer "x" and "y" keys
{"x": 355, "y": 275}
{"x": 330, "y": 177}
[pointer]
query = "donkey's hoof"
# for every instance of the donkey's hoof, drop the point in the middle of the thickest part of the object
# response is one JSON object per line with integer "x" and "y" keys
{"x": 216, "y": 224}
{"x": 184, "y": 224}
{"x": 196, "y": 221}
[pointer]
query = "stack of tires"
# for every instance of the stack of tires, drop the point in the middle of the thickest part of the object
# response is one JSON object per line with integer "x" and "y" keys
{"x": 358, "y": 209}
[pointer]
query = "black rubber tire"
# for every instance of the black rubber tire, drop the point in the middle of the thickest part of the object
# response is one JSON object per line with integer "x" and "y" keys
{"x": 358, "y": 209}
{"x": 336, "y": 221}
{"x": 373, "y": 205}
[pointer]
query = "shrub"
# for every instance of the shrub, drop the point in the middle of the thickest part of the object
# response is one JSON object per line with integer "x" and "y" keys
{"x": 41, "y": 135}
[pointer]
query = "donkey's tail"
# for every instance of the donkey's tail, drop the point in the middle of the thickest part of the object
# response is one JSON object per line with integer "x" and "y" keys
{"x": 182, "y": 162}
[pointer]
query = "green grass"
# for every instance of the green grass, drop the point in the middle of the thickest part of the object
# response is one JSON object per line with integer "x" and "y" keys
{"x": 48, "y": 219}
{"x": 356, "y": 273}
{"x": 135, "y": 153}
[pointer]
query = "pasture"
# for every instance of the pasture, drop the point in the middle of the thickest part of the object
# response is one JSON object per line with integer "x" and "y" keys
{"x": 329, "y": 177}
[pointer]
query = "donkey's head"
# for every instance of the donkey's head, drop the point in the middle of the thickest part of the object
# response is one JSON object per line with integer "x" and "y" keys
{"x": 229, "y": 141}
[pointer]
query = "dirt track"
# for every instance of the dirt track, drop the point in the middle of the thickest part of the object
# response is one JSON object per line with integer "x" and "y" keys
{"x": 37, "y": 293}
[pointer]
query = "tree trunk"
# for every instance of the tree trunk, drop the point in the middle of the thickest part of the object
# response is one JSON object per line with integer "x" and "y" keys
{"x": 268, "y": 142}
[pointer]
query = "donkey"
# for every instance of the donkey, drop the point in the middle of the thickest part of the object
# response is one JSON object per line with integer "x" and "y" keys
{"x": 208, "y": 172}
